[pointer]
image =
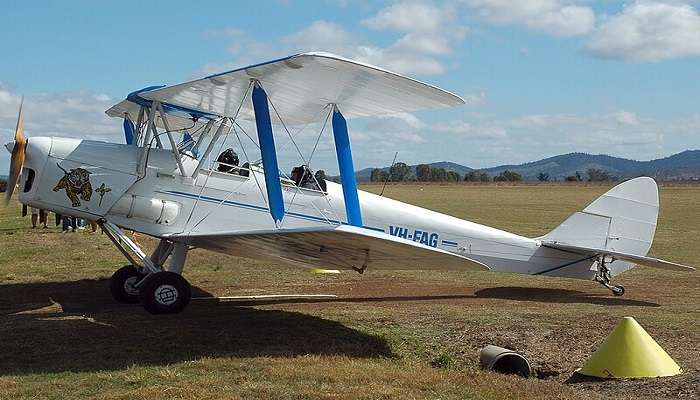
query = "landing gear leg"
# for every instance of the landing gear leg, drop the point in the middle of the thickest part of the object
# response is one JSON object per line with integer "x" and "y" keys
{"x": 160, "y": 292}
{"x": 167, "y": 292}
{"x": 178, "y": 257}
{"x": 603, "y": 276}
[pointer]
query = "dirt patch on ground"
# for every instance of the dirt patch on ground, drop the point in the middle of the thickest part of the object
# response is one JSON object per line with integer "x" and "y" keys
{"x": 556, "y": 328}
{"x": 556, "y": 345}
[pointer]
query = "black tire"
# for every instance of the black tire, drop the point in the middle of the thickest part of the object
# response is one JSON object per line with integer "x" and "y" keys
{"x": 121, "y": 284}
{"x": 165, "y": 293}
{"x": 618, "y": 290}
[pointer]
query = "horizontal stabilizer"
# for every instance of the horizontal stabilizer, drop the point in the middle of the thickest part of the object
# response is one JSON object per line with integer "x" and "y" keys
{"x": 337, "y": 247}
{"x": 642, "y": 260}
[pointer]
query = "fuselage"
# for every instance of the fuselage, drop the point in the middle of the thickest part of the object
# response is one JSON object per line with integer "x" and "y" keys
{"x": 161, "y": 202}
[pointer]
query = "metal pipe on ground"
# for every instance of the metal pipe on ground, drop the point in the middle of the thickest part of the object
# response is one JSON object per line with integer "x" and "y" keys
{"x": 504, "y": 360}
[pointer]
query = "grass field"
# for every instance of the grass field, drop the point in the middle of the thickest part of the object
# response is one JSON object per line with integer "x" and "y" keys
{"x": 406, "y": 334}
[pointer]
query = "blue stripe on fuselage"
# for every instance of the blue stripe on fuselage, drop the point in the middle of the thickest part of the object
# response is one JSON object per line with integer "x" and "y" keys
{"x": 256, "y": 208}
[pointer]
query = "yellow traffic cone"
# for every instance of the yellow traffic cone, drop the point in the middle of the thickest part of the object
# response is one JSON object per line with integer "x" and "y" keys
{"x": 629, "y": 352}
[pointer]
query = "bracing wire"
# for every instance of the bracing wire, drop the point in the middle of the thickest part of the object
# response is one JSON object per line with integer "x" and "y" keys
{"x": 304, "y": 160}
{"x": 299, "y": 131}
{"x": 204, "y": 185}
{"x": 318, "y": 138}
{"x": 232, "y": 191}
{"x": 245, "y": 154}
{"x": 234, "y": 124}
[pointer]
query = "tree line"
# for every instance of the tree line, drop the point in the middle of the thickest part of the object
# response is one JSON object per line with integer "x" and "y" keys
{"x": 401, "y": 172}
{"x": 591, "y": 175}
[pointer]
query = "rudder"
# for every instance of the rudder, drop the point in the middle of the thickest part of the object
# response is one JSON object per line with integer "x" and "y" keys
{"x": 623, "y": 219}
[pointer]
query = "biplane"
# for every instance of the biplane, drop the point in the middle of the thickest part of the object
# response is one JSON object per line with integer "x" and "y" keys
{"x": 178, "y": 192}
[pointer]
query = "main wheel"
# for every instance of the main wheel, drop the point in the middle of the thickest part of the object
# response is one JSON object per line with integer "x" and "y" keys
{"x": 165, "y": 293}
{"x": 122, "y": 284}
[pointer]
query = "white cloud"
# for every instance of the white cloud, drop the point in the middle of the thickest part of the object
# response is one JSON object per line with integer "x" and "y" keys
{"x": 79, "y": 115}
{"x": 102, "y": 98}
{"x": 410, "y": 16}
{"x": 394, "y": 130}
{"x": 479, "y": 141}
{"x": 427, "y": 33}
{"x": 322, "y": 35}
{"x": 428, "y": 30}
{"x": 472, "y": 131}
{"x": 648, "y": 31}
{"x": 426, "y": 44}
{"x": 399, "y": 57}
{"x": 564, "y": 21}
{"x": 482, "y": 140}
{"x": 552, "y": 17}
{"x": 474, "y": 98}
{"x": 414, "y": 53}
{"x": 625, "y": 117}
{"x": 394, "y": 59}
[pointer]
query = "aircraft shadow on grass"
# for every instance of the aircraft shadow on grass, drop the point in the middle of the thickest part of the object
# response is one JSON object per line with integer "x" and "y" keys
{"x": 94, "y": 333}
{"x": 553, "y": 295}
{"x": 542, "y": 295}
{"x": 89, "y": 331}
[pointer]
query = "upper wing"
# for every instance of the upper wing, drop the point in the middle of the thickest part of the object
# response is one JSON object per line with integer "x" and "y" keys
{"x": 339, "y": 247}
{"x": 643, "y": 260}
{"x": 300, "y": 86}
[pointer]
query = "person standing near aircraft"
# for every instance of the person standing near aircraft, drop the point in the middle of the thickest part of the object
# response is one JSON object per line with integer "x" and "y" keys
{"x": 35, "y": 216}
{"x": 93, "y": 227}
{"x": 39, "y": 215}
{"x": 71, "y": 224}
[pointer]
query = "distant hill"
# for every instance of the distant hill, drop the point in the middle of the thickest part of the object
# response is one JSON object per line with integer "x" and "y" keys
{"x": 681, "y": 166}
{"x": 685, "y": 165}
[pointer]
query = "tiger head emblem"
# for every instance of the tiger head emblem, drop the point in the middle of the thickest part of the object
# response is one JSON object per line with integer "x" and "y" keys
{"x": 77, "y": 185}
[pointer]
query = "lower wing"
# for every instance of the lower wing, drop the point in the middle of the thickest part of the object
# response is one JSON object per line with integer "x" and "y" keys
{"x": 340, "y": 247}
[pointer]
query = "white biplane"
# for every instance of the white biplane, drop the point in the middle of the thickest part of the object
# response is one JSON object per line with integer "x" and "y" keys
{"x": 156, "y": 186}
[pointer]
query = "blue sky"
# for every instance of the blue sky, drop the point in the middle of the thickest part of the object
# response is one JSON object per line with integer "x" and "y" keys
{"x": 541, "y": 77}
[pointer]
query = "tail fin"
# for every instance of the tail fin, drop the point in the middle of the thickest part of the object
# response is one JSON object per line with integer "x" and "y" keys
{"x": 623, "y": 219}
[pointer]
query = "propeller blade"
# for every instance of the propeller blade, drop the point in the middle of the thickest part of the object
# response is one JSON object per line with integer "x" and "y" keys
{"x": 18, "y": 154}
